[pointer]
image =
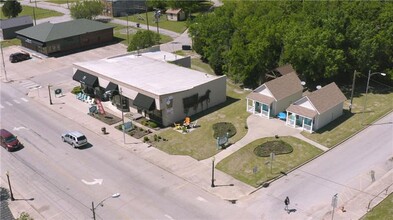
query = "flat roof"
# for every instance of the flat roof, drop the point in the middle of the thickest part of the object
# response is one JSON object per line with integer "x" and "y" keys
{"x": 147, "y": 73}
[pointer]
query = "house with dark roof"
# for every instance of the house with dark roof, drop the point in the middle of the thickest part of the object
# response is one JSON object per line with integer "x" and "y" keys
{"x": 48, "y": 38}
{"x": 316, "y": 109}
{"x": 175, "y": 14}
{"x": 8, "y": 27}
{"x": 280, "y": 71}
{"x": 275, "y": 96}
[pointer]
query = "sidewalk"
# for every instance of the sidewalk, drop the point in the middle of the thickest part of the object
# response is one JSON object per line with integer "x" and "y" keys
{"x": 185, "y": 167}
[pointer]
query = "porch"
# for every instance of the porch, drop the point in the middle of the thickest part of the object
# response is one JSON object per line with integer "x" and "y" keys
{"x": 258, "y": 108}
{"x": 299, "y": 121}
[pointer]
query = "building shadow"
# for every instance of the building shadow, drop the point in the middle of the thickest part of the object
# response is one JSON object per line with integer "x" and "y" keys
{"x": 338, "y": 121}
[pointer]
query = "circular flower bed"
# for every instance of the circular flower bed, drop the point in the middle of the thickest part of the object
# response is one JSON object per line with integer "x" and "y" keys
{"x": 277, "y": 147}
{"x": 220, "y": 129}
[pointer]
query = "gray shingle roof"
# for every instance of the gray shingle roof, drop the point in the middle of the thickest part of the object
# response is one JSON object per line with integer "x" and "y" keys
{"x": 284, "y": 86}
{"x": 326, "y": 97}
{"x": 15, "y": 22}
{"x": 47, "y": 32}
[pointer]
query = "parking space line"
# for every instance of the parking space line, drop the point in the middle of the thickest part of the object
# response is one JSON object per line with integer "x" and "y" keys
{"x": 16, "y": 101}
{"x": 9, "y": 103}
{"x": 24, "y": 99}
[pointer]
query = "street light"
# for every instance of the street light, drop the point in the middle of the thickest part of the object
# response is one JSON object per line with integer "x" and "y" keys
{"x": 213, "y": 173}
{"x": 365, "y": 98}
{"x": 93, "y": 208}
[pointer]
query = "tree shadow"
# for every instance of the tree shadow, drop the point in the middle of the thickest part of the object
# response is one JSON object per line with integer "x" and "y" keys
{"x": 229, "y": 101}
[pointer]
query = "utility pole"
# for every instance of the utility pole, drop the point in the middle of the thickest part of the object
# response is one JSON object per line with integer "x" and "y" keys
{"x": 9, "y": 185}
{"x": 122, "y": 115}
{"x": 353, "y": 89}
{"x": 212, "y": 185}
{"x": 50, "y": 97}
{"x": 2, "y": 56}
{"x": 35, "y": 6}
{"x": 147, "y": 17}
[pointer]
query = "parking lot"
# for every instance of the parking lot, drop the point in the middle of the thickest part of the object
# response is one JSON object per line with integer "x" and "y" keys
{"x": 57, "y": 71}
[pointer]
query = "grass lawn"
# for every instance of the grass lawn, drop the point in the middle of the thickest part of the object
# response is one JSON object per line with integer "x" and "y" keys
{"x": 39, "y": 13}
{"x": 383, "y": 211}
{"x": 176, "y": 26}
{"x": 12, "y": 42}
{"x": 242, "y": 163}
{"x": 200, "y": 143}
{"x": 349, "y": 123}
{"x": 120, "y": 32}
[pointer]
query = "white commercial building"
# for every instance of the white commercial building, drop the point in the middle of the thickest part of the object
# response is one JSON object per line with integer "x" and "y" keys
{"x": 154, "y": 83}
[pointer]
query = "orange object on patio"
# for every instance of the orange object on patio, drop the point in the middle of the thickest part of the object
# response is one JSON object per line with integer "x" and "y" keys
{"x": 187, "y": 121}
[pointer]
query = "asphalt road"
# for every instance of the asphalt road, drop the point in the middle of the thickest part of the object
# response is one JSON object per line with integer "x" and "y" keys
{"x": 344, "y": 170}
{"x": 64, "y": 181}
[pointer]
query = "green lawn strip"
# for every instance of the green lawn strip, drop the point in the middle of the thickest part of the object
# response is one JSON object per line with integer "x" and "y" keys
{"x": 242, "y": 163}
{"x": 11, "y": 42}
{"x": 62, "y": 1}
{"x": 39, "y": 13}
{"x": 350, "y": 123}
{"x": 383, "y": 211}
{"x": 120, "y": 31}
{"x": 200, "y": 143}
{"x": 175, "y": 26}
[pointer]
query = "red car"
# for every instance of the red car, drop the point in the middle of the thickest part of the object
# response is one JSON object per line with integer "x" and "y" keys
{"x": 8, "y": 140}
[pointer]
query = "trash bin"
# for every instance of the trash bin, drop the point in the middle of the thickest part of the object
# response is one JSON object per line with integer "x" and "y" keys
{"x": 137, "y": 25}
{"x": 103, "y": 129}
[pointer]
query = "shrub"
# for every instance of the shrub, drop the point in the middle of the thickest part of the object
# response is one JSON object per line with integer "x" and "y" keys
{"x": 220, "y": 129}
{"x": 277, "y": 147}
{"x": 76, "y": 90}
{"x": 145, "y": 139}
{"x": 152, "y": 124}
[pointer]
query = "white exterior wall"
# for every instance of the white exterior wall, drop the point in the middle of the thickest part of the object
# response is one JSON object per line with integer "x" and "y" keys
{"x": 328, "y": 116}
{"x": 217, "y": 89}
{"x": 306, "y": 104}
{"x": 283, "y": 104}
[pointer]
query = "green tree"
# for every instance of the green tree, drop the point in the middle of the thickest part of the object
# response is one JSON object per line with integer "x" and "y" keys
{"x": 143, "y": 39}
{"x": 86, "y": 9}
{"x": 11, "y": 8}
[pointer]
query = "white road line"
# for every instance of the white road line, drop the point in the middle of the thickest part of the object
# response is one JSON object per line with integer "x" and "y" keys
{"x": 24, "y": 99}
{"x": 9, "y": 103}
{"x": 16, "y": 101}
{"x": 169, "y": 217}
{"x": 201, "y": 199}
{"x": 1, "y": 106}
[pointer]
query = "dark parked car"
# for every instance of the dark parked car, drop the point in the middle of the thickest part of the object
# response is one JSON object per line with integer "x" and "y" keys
{"x": 17, "y": 57}
{"x": 8, "y": 140}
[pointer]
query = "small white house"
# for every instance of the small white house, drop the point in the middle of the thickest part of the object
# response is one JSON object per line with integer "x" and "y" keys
{"x": 275, "y": 96}
{"x": 317, "y": 109}
{"x": 175, "y": 14}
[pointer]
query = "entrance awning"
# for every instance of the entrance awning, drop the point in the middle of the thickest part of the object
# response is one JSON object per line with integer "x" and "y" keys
{"x": 85, "y": 78}
{"x": 112, "y": 87}
{"x": 144, "y": 102}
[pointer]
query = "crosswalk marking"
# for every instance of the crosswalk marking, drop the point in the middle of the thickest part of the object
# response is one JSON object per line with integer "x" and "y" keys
{"x": 15, "y": 101}
{"x": 29, "y": 84}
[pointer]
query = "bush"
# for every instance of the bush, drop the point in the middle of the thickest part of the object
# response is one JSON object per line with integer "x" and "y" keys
{"x": 76, "y": 90}
{"x": 220, "y": 129}
{"x": 152, "y": 124}
{"x": 145, "y": 139}
{"x": 277, "y": 147}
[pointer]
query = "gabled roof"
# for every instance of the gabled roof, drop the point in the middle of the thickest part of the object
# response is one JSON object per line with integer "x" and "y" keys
{"x": 287, "y": 68}
{"x": 173, "y": 11}
{"x": 47, "y": 32}
{"x": 284, "y": 86}
{"x": 16, "y": 22}
{"x": 300, "y": 110}
{"x": 260, "y": 98}
{"x": 326, "y": 98}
